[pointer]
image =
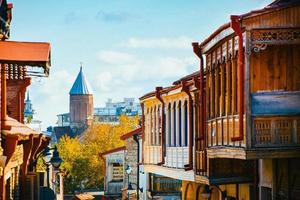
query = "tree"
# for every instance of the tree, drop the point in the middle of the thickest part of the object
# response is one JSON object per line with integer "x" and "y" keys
{"x": 81, "y": 162}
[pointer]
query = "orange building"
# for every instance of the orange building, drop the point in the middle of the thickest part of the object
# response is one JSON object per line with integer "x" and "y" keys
{"x": 232, "y": 130}
{"x": 19, "y": 61}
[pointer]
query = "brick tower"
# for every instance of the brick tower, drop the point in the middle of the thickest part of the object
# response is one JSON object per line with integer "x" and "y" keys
{"x": 81, "y": 104}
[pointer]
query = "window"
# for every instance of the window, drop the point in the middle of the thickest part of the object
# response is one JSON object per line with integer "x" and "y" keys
{"x": 185, "y": 124}
{"x": 174, "y": 124}
{"x": 180, "y": 124}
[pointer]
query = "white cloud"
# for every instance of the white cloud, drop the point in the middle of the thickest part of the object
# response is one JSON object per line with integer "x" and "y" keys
{"x": 182, "y": 42}
{"x": 115, "y": 57}
{"x": 132, "y": 77}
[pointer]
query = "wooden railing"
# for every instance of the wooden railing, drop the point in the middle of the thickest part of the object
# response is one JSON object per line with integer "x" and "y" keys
{"x": 221, "y": 130}
{"x": 201, "y": 163}
{"x": 276, "y": 131}
{"x": 152, "y": 154}
{"x": 177, "y": 157}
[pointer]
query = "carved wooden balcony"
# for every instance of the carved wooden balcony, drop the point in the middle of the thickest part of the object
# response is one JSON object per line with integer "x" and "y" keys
{"x": 276, "y": 131}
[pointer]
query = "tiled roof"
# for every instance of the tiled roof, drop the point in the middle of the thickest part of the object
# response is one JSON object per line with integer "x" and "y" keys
{"x": 81, "y": 85}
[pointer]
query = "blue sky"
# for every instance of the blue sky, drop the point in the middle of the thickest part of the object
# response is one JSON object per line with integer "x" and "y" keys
{"x": 127, "y": 46}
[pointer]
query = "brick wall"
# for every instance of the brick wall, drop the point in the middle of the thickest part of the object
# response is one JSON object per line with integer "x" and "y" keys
{"x": 81, "y": 109}
{"x": 15, "y": 98}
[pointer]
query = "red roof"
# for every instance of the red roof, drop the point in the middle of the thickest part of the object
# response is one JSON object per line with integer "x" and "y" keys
{"x": 113, "y": 150}
{"x": 25, "y": 53}
{"x": 137, "y": 131}
{"x": 18, "y": 128}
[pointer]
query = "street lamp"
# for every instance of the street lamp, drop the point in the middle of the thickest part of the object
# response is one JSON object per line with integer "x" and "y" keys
{"x": 49, "y": 159}
{"x": 128, "y": 172}
{"x": 55, "y": 160}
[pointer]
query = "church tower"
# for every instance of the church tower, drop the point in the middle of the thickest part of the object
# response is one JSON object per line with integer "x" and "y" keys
{"x": 28, "y": 110}
{"x": 81, "y": 104}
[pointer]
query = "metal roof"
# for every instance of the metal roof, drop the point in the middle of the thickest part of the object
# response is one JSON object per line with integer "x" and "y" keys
{"x": 81, "y": 85}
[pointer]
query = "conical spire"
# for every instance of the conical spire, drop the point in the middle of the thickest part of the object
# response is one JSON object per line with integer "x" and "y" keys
{"x": 81, "y": 85}
{"x": 28, "y": 99}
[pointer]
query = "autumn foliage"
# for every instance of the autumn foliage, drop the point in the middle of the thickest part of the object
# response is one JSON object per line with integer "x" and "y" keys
{"x": 81, "y": 162}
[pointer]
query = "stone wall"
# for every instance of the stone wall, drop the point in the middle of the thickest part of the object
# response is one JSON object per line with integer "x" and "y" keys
{"x": 131, "y": 160}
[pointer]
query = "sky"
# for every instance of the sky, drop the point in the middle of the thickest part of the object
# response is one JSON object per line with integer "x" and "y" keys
{"x": 127, "y": 47}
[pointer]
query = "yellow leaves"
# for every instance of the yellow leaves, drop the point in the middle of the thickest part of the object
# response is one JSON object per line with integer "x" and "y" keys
{"x": 81, "y": 155}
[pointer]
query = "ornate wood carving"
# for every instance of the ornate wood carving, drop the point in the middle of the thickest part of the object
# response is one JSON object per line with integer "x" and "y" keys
{"x": 260, "y": 38}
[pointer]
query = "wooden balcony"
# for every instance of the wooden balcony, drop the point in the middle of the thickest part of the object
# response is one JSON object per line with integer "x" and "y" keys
{"x": 152, "y": 154}
{"x": 276, "y": 131}
{"x": 177, "y": 157}
{"x": 221, "y": 130}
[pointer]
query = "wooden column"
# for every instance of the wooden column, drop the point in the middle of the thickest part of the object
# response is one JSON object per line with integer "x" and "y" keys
{"x": 217, "y": 90}
{"x": 153, "y": 126}
{"x": 228, "y": 87}
{"x": 183, "y": 139}
{"x": 167, "y": 125}
{"x": 212, "y": 93}
{"x": 158, "y": 114}
{"x": 222, "y": 104}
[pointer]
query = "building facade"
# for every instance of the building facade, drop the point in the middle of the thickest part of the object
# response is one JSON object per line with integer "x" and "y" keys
{"x": 114, "y": 172}
{"x": 113, "y": 110}
{"x": 81, "y": 103}
{"x": 20, "y": 145}
{"x": 232, "y": 129}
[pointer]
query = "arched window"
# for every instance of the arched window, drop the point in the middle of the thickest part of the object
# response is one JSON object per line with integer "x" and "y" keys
{"x": 180, "y": 124}
{"x": 174, "y": 124}
{"x": 185, "y": 123}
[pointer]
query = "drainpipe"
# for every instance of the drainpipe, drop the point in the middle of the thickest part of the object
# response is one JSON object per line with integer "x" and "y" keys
{"x": 235, "y": 25}
{"x": 185, "y": 89}
{"x": 163, "y": 144}
{"x": 197, "y": 51}
{"x": 135, "y": 137}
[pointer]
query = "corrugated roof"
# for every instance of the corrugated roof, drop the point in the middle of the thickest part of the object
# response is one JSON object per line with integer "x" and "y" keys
{"x": 81, "y": 85}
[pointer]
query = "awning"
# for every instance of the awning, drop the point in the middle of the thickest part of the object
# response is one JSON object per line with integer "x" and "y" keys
{"x": 26, "y": 54}
{"x": 18, "y": 129}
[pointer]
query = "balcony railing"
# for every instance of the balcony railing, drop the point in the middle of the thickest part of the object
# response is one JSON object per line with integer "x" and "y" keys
{"x": 276, "y": 131}
{"x": 177, "y": 157}
{"x": 152, "y": 154}
{"x": 220, "y": 130}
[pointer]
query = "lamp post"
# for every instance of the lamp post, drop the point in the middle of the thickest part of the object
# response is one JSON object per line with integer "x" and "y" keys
{"x": 49, "y": 159}
{"x": 128, "y": 172}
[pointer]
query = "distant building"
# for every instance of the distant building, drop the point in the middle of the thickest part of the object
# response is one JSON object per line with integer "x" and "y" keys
{"x": 114, "y": 172}
{"x": 81, "y": 103}
{"x": 28, "y": 115}
{"x": 28, "y": 110}
{"x": 82, "y": 112}
{"x": 113, "y": 110}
